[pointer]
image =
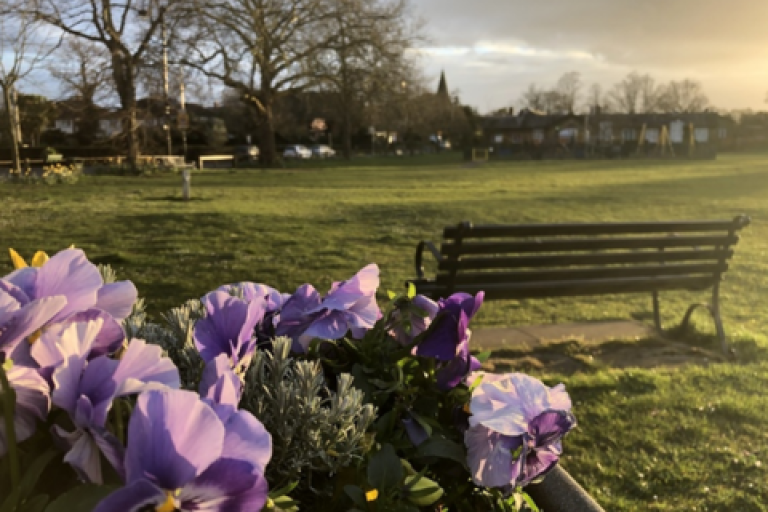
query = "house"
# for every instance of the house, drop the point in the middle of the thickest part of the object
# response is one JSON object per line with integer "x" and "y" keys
{"x": 532, "y": 134}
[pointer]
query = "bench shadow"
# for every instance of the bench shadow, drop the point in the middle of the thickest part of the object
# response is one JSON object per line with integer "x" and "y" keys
{"x": 673, "y": 349}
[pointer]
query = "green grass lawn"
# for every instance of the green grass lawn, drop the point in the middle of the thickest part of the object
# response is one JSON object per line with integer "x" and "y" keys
{"x": 694, "y": 438}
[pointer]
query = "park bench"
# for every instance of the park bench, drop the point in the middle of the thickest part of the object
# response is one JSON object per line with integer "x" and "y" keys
{"x": 529, "y": 261}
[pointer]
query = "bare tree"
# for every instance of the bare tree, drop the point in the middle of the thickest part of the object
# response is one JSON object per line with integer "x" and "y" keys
{"x": 568, "y": 89}
{"x": 365, "y": 53}
{"x": 683, "y": 96}
{"x": 625, "y": 95}
{"x": 595, "y": 96}
{"x": 260, "y": 48}
{"x": 23, "y": 47}
{"x": 533, "y": 98}
{"x": 124, "y": 27}
{"x": 85, "y": 81}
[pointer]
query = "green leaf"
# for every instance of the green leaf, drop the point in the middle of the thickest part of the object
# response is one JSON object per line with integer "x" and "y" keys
{"x": 356, "y": 494}
{"x": 422, "y": 491}
{"x": 484, "y": 356}
{"x": 283, "y": 490}
{"x": 285, "y": 504}
{"x": 84, "y": 497}
{"x": 423, "y": 422}
{"x": 411, "y": 290}
{"x": 391, "y": 295}
{"x": 384, "y": 469}
{"x": 529, "y": 501}
{"x": 33, "y": 472}
{"x": 36, "y": 504}
{"x": 444, "y": 449}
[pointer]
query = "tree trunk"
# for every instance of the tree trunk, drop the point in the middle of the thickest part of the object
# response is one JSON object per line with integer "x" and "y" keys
{"x": 125, "y": 82}
{"x": 11, "y": 118}
{"x": 347, "y": 134}
{"x": 267, "y": 146}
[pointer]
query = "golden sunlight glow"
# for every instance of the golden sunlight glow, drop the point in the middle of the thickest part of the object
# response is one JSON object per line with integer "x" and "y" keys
{"x": 372, "y": 495}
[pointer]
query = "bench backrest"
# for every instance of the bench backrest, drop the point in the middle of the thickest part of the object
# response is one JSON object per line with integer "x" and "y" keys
{"x": 528, "y": 260}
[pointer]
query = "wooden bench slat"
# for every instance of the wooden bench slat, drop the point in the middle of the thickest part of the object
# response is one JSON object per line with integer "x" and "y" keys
{"x": 574, "y": 288}
{"x": 586, "y": 228}
{"x": 711, "y": 269}
{"x": 566, "y": 260}
{"x": 588, "y": 244}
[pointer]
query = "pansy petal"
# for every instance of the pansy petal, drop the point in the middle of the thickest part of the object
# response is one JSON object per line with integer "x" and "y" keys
{"x": 539, "y": 462}
{"x": 29, "y": 318}
{"x": 13, "y": 292}
{"x": 138, "y": 496}
{"x": 117, "y": 299}
{"x": 489, "y": 457}
{"x": 172, "y": 438}
{"x": 24, "y": 279}
{"x": 330, "y": 326}
{"x": 550, "y": 426}
{"x": 227, "y": 485}
{"x": 69, "y": 273}
{"x": 221, "y": 386}
{"x": 32, "y": 403}
{"x": 344, "y": 295}
{"x": 227, "y": 327}
{"x": 143, "y": 367}
{"x": 247, "y": 439}
{"x": 84, "y": 457}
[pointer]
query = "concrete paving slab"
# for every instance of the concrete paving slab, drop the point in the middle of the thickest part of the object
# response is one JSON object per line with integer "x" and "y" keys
{"x": 531, "y": 336}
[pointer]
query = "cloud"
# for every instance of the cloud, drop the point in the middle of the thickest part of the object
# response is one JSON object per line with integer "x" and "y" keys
{"x": 723, "y": 44}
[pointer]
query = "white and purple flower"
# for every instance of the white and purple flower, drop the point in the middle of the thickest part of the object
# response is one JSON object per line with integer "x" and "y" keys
{"x": 516, "y": 428}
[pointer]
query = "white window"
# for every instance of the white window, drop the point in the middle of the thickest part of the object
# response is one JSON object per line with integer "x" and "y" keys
{"x": 652, "y": 135}
{"x": 676, "y": 131}
{"x": 606, "y": 131}
{"x": 498, "y": 139}
{"x": 65, "y": 125}
{"x": 701, "y": 134}
{"x": 722, "y": 133}
{"x": 538, "y": 135}
{"x": 629, "y": 134}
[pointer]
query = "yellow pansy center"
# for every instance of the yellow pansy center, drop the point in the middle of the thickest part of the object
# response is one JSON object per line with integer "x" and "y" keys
{"x": 35, "y": 336}
{"x": 372, "y": 495}
{"x": 169, "y": 505}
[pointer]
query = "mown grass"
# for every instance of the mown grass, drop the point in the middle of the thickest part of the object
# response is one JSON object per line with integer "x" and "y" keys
{"x": 659, "y": 439}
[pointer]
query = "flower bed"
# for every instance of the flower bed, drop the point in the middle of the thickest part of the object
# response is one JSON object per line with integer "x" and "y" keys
{"x": 251, "y": 399}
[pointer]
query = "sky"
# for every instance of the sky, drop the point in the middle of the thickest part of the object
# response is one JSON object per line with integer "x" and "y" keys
{"x": 491, "y": 50}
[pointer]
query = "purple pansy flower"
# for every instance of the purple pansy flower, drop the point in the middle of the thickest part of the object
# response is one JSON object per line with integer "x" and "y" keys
{"x": 69, "y": 273}
{"x": 349, "y": 306}
{"x": 32, "y": 402}
{"x": 516, "y": 428}
{"x": 448, "y": 338}
{"x": 180, "y": 456}
{"x": 228, "y": 328}
{"x": 418, "y": 322}
{"x": 220, "y": 387}
{"x": 86, "y": 387}
{"x": 21, "y": 317}
{"x": 274, "y": 300}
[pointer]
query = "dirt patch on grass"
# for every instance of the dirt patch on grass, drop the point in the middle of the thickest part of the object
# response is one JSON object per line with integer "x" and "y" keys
{"x": 572, "y": 356}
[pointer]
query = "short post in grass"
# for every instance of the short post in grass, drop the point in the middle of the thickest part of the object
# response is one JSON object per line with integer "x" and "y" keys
{"x": 186, "y": 184}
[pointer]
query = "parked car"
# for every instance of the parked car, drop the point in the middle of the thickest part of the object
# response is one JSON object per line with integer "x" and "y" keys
{"x": 322, "y": 151}
{"x": 246, "y": 154}
{"x": 297, "y": 151}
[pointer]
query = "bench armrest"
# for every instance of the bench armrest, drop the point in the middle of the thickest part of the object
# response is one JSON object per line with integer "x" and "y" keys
{"x": 420, "y": 250}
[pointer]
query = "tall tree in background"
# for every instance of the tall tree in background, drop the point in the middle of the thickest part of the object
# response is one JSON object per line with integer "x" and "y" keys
{"x": 23, "y": 47}
{"x": 636, "y": 94}
{"x": 83, "y": 72}
{"x": 124, "y": 27}
{"x": 683, "y": 96}
{"x": 365, "y": 53}
{"x": 568, "y": 91}
{"x": 533, "y": 98}
{"x": 260, "y": 48}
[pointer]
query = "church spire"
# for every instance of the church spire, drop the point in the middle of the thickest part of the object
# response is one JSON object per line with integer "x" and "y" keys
{"x": 442, "y": 88}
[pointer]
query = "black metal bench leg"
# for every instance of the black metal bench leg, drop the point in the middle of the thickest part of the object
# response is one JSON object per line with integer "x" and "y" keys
{"x": 656, "y": 313}
{"x": 714, "y": 311}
